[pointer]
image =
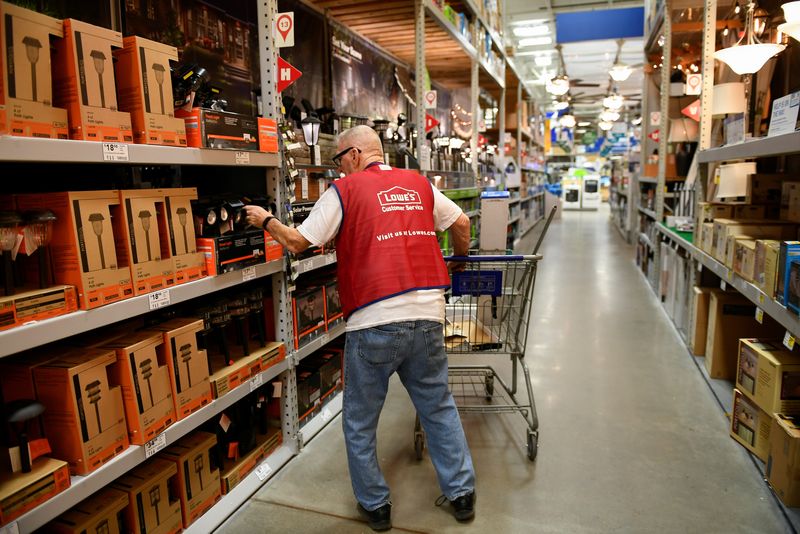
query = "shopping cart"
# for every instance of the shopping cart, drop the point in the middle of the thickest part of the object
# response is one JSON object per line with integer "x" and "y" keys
{"x": 487, "y": 314}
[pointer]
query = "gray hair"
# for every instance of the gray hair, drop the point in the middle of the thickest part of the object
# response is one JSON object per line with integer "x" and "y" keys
{"x": 362, "y": 137}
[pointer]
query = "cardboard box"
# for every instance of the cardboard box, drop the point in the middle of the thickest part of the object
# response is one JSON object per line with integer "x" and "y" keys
{"x": 187, "y": 364}
{"x": 146, "y": 239}
{"x": 750, "y": 425}
{"x": 308, "y": 310}
{"x": 145, "y": 90}
{"x": 749, "y": 212}
{"x": 702, "y": 297}
{"x": 233, "y": 251}
{"x": 84, "y": 244}
{"x": 724, "y": 229}
{"x": 206, "y": 128}
{"x": 197, "y": 485}
{"x": 37, "y": 305}
{"x": 783, "y": 463}
{"x": 84, "y": 416}
{"x": 273, "y": 250}
{"x": 792, "y": 295}
{"x": 229, "y": 377}
{"x": 188, "y": 263}
{"x": 84, "y": 83}
{"x": 769, "y": 375}
{"x": 102, "y": 512}
{"x": 709, "y": 211}
{"x": 790, "y": 201}
{"x": 308, "y": 391}
{"x": 707, "y": 240}
{"x": 22, "y": 492}
{"x": 271, "y": 354}
{"x": 744, "y": 258}
{"x": 730, "y": 317}
{"x": 789, "y": 251}
{"x": 267, "y": 135}
{"x": 328, "y": 363}
{"x": 142, "y": 373}
{"x": 235, "y": 471}
{"x": 26, "y": 89}
{"x": 151, "y": 506}
{"x": 766, "y": 267}
{"x": 309, "y": 188}
{"x": 333, "y": 304}
{"x": 759, "y": 189}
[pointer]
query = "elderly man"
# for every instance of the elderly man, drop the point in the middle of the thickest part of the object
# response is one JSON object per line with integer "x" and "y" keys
{"x": 392, "y": 279}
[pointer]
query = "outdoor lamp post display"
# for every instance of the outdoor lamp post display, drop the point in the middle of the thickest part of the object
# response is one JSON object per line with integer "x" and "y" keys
{"x": 145, "y": 217}
{"x": 99, "y": 60}
{"x": 159, "y": 71}
{"x": 97, "y": 227}
{"x": 40, "y": 230}
{"x": 311, "y": 126}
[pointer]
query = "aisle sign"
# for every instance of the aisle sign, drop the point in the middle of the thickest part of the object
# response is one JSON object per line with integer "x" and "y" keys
{"x": 430, "y": 99}
{"x": 784, "y": 115}
{"x": 654, "y": 135}
{"x": 430, "y": 122}
{"x": 287, "y": 74}
{"x": 655, "y": 118}
{"x": 694, "y": 84}
{"x": 692, "y": 110}
{"x": 788, "y": 340}
{"x": 285, "y": 25}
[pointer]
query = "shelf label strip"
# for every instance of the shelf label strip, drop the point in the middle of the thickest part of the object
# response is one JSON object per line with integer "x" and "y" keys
{"x": 154, "y": 445}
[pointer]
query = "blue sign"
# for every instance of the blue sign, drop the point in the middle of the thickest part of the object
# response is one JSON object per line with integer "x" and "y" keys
{"x": 599, "y": 24}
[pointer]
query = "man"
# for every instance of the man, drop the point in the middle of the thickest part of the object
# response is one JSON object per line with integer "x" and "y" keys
{"x": 391, "y": 283}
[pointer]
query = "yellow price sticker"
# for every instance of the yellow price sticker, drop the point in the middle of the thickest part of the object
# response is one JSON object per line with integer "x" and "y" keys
{"x": 730, "y": 275}
{"x": 788, "y": 341}
{"x": 760, "y": 315}
{"x": 761, "y": 298}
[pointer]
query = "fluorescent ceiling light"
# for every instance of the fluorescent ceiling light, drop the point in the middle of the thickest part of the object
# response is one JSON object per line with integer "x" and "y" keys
{"x": 584, "y": 123}
{"x": 543, "y": 61}
{"x": 535, "y": 41}
{"x": 527, "y": 22}
{"x": 528, "y": 53}
{"x": 531, "y": 31}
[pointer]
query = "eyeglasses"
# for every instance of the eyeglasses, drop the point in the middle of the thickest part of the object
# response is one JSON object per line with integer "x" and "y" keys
{"x": 337, "y": 159}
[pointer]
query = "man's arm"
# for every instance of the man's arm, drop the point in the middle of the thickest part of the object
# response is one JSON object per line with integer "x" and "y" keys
{"x": 460, "y": 234}
{"x": 289, "y": 237}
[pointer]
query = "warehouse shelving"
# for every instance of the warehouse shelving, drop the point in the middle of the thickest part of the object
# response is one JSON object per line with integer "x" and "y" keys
{"x": 778, "y": 145}
{"x": 318, "y": 342}
{"x": 649, "y": 213}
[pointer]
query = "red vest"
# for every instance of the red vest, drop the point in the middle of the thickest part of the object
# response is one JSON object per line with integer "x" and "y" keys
{"x": 386, "y": 243}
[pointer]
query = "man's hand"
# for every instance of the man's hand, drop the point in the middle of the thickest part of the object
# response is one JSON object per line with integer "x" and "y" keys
{"x": 456, "y": 266}
{"x": 256, "y": 215}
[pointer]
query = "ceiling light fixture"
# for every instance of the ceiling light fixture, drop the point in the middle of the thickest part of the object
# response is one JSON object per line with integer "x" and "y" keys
{"x": 531, "y": 31}
{"x": 609, "y": 115}
{"x": 535, "y": 41}
{"x": 748, "y": 58}
{"x": 558, "y": 86}
{"x": 620, "y": 72}
{"x": 567, "y": 121}
{"x": 605, "y": 126}
{"x": 527, "y": 22}
{"x": 614, "y": 102}
{"x": 637, "y": 121}
{"x": 791, "y": 12}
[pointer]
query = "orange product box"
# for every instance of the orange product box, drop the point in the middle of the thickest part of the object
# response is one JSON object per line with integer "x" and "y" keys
{"x": 271, "y": 354}
{"x": 273, "y": 250}
{"x": 308, "y": 310}
{"x": 267, "y": 135}
{"x": 197, "y": 484}
{"x": 84, "y": 418}
{"x": 231, "y": 376}
{"x": 101, "y": 513}
{"x": 26, "y": 89}
{"x": 84, "y": 245}
{"x": 189, "y": 263}
{"x": 141, "y": 371}
{"x": 37, "y": 305}
{"x": 235, "y": 470}
{"x": 152, "y": 508}
{"x": 187, "y": 364}
{"x": 84, "y": 83}
{"x": 22, "y": 492}
{"x": 146, "y": 239}
{"x": 145, "y": 91}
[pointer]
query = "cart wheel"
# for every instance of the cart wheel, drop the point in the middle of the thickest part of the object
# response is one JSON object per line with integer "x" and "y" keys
{"x": 419, "y": 444}
{"x": 489, "y": 383}
{"x": 533, "y": 445}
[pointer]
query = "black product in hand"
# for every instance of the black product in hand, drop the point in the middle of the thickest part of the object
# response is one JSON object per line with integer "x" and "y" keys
{"x": 93, "y": 392}
{"x": 147, "y": 372}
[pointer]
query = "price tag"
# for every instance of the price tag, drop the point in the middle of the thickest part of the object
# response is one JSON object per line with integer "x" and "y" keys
{"x": 699, "y": 267}
{"x": 788, "y": 340}
{"x": 263, "y": 471}
{"x": 761, "y": 298}
{"x": 256, "y": 382}
{"x": 11, "y": 528}
{"x": 294, "y": 146}
{"x": 760, "y": 315}
{"x": 115, "y": 152}
{"x": 294, "y": 173}
{"x": 277, "y": 389}
{"x": 730, "y": 275}
{"x": 723, "y": 285}
{"x": 158, "y": 299}
{"x": 154, "y": 445}
{"x": 242, "y": 158}
{"x": 249, "y": 273}
{"x": 326, "y": 415}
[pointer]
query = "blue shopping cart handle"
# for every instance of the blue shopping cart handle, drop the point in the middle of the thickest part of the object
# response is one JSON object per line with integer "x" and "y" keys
{"x": 492, "y": 258}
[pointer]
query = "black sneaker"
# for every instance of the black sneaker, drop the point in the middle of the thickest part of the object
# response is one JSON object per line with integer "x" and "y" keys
{"x": 379, "y": 519}
{"x": 463, "y": 507}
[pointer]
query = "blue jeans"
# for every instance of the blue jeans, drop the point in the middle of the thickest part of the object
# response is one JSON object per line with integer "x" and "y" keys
{"x": 415, "y": 350}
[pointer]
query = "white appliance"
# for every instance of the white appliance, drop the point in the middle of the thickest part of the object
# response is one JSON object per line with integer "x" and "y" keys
{"x": 571, "y": 194}
{"x": 590, "y": 197}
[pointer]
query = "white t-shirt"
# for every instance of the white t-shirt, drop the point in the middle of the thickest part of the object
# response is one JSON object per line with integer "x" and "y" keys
{"x": 322, "y": 225}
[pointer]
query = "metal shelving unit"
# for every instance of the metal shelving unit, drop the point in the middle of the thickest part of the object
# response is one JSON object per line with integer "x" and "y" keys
{"x": 762, "y": 147}
{"x": 318, "y": 342}
{"x": 316, "y": 262}
{"x": 330, "y": 410}
{"x": 649, "y": 213}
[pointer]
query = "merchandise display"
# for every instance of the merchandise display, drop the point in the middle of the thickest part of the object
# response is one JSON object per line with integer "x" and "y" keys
{"x": 769, "y": 375}
{"x": 102, "y": 512}
{"x": 189, "y": 263}
{"x": 152, "y": 507}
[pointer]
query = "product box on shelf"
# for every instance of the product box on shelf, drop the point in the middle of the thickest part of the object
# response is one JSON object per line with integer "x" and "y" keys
{"x": 790, "y": 201}
{"x": 308, "y": 391}
{"x": 333, "y": 304}
{"x": 145, "y": 90}
{"x": 789, "y": 251}
{"x": 328, "y": 362}
{"x": 84, "y": 416}
{"x": 230, "y": 376}
{"x": 709, "y": 211}
{"x": 792, "y": 291}
{"x": 152, "y": 508}
{"x": 766, "y": 268}
{"x": 102, "y": 512}
{"x": 146, "y": 239}
{"x": 84, "y": 83}
{"x": 707, "y": 238}
{"x": 26, "y": 89}
{"x": 83, "y": 247}
{"x": 731, "y": 317}
{"x": 235, "y": 470}
{"x": 144, "y": 377}
{"x": 207, "y": 128}
{"x": 744, "y": 258}
{"x": 22, "y": 492}
{"x": 37, "y": 305}
{"x": 308, "y": 309}
{"x": 308, "y": 188}
{"x": 272, "y": 249}
{"x": 755, "y": 189}
{"x": 197, "y": 484}
{"x": 267, "y": 135}
{"x": 749, "y": 211}
{"x": 233, "y": 251}
{"x": 769, "y": 375}
{"x": 783, "y": 463}
{"x": 724, "y": 229}
{"x": 702, "y": 297}
{"x": 750, "y": 425}
{"x": 187, "y": 364}
{"x": 189, "y": 263}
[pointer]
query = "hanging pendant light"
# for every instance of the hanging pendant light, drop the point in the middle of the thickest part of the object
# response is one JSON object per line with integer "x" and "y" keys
{"x": 614, "y": 102}
{"x": 558, "y": 86}
{"x": 620, "y": 72}
{"x": 791, "y": 12}
{"x": 609, "y": 115}
{"x": 567, "y": 121}
{"x": 748, "y": 58}
{"x": 605, "y": 126}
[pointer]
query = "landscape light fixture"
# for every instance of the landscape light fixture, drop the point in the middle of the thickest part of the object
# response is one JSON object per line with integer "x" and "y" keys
{"x": 186, "y": 357}
{"x": 97, "y": 227}
{"x": 146, "y": 367}
{"x": 311, "y": 126}
{"x": 9, "y": 227}
{"x": 159, "y": 71}
{"x": 155, "y": 499}
{"x": 32, "y": 47}
{"x": 100, "y": 67}
{"x": 19, "y": 413}
{"x": 93, "y": 392}
{"x": 198, "y": 469}
{"x": 39, "y": 227}
{"x": 749, "y": 54}
{"x": 145, "y": 217}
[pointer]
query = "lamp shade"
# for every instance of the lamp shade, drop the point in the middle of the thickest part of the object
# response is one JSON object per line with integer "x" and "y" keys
{"x": 791, "y": 12}
{"x": 567, "y": 121}
{"x": 614, "y": 102}
{"x": 683, "y": 130}
{"x": 605, "y": 126}
{"x": 620, "y": 72}
{"x": 733, "y": 179}
{"x": 609, "y": 115}
{"x": 749, "y": 58}
{"x": 311, "y": 126}
{"x": 558, "y": 86}
{"x": 728, "y": 98}
{"x": 792, "y": 29}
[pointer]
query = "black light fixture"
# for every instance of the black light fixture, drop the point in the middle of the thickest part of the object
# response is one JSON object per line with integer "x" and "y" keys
{"x": 159, "y": 71}
{"x": 39, "y": 226}
{"x": 19, "y": 413}
{"x": 233, "y": 211}
{"x": 311, "y": 126}
{"x": 145, "y": 217}
{"x": 93, "y": 393}
{"x": 182, "y": 220}
{"x": 99, "y": 59}
{"x": 97, "y": 227}
{"x": 32, "y": 47}
{"x": 9, "y": 227}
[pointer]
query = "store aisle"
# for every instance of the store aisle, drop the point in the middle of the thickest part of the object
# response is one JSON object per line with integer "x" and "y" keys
{"x": 631, "y": 438}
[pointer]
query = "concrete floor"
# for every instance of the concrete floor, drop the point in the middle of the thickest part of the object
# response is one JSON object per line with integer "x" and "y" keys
{"x": 631, "y": 438}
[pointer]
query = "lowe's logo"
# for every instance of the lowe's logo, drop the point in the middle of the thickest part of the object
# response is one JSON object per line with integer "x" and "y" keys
{"x": 398, "y": 196}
